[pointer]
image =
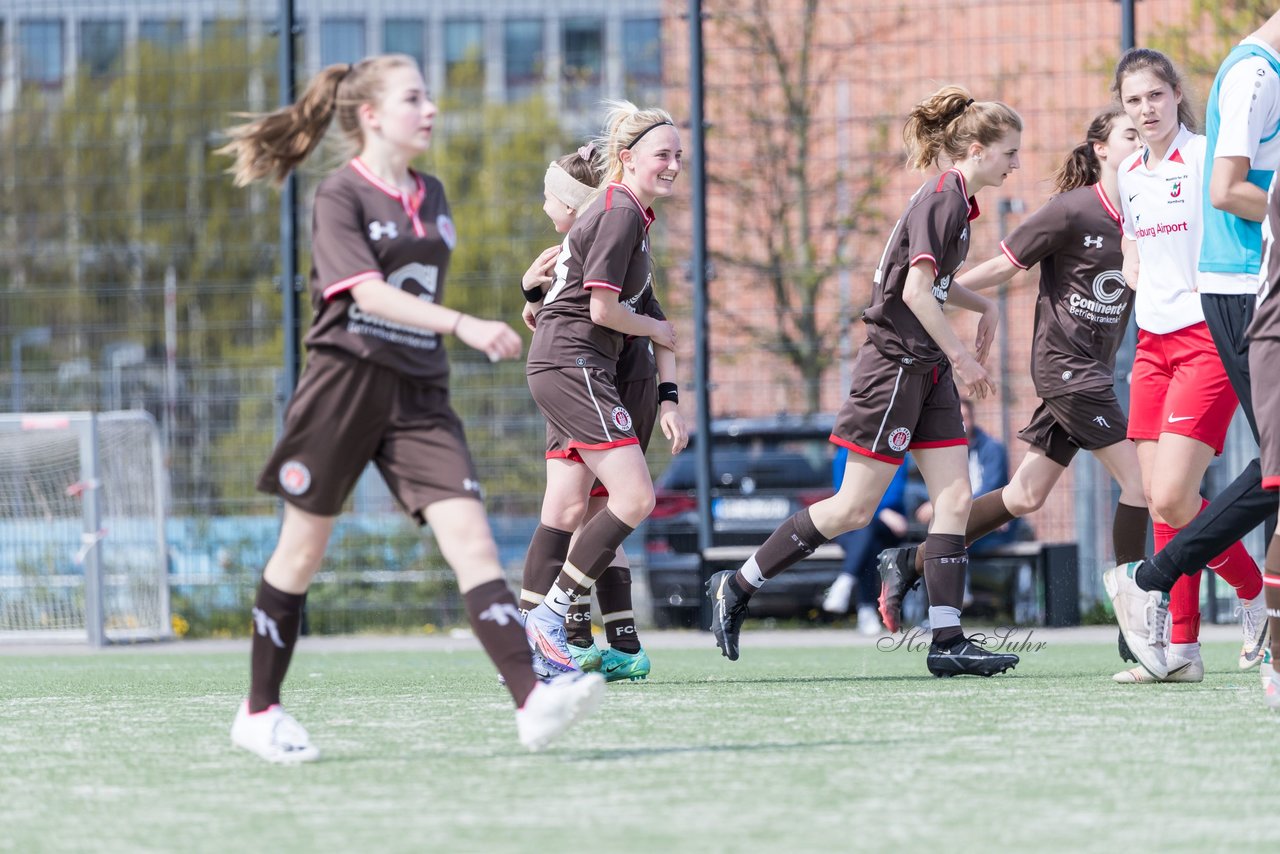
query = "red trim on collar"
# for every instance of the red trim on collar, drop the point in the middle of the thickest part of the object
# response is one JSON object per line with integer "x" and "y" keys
{"x": 1176, "y": 157}
{"x": 411, "y": 205}
{"x": 1106, "y": 203}
{"x": 974, "y": 213}
{"x": 648, "y": 213}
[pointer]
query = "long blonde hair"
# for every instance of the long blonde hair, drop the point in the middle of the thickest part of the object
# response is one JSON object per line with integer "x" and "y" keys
{"x": 624, "y": 123}
{"x": 949, "y": 121}
{"x": 273, "y": 144}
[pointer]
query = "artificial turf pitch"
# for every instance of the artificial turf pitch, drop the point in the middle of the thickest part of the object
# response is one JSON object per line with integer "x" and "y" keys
{"x": 788, "y": 749}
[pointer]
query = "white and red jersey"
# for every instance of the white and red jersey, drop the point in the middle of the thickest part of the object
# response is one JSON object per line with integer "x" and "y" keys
{"x": 1161, "y": 208}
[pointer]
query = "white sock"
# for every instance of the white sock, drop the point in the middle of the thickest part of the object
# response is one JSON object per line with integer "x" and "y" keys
{"x": 751, "y": 572}
{"x": 943, "y": 617}
{"x": 1185, "y": 650}
{"x": 558, "y": 601}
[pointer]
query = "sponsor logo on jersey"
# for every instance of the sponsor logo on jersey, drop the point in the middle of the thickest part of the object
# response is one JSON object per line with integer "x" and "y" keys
{"x": 448, "y": 233}
{"x": 295, "y": 477}
{"x": 1175, "y": 190}
{"x": 1107, "y": 306}
{"x": 1161, "y": 228}
{"x": 379, "y": 230}
{"x": 899, "y": 438}
{"x": 621, "y": 418}
{"x": 1092, "y": 242}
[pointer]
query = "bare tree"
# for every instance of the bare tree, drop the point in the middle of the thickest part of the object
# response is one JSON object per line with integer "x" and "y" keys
{"x": 795, "y": 204}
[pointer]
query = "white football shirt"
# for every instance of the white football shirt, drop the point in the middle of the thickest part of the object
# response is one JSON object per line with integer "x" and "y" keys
{"x": 1249, "y": 109}
{"x": 1161, "y": 209}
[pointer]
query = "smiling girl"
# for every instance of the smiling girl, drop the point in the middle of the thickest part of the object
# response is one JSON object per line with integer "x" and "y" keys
{"x": 1181, "y": 400}
{"x": 905, "y": 378}
{"x": 376, "y": 388}
{"x": 603, "y": 275}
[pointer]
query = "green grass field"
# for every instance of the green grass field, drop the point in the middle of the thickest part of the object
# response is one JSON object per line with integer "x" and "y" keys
{"x": 795, "y": 749}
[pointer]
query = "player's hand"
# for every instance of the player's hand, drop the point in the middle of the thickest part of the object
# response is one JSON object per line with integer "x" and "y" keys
{"x": 1130, "y": 270}
{"x": 494, "y": 338}
{"x": 894, "y": 521}
{"x": 530, "y": 315}
{"x": 972, "y": 378}
{"x": 986, "y": 336}
{"x": 673, "y": 426}
{"x": 539, "y": 273}
{"x": 664, "y": 334}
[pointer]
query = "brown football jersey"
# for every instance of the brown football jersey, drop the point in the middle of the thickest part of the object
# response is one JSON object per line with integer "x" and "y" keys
{"x": 365, "y": 229}
{"x": 608, "y": 247}
{"x": 935, "y": 228}
{"x": 1084, "y": 305}
{"x": 636, "y": 362}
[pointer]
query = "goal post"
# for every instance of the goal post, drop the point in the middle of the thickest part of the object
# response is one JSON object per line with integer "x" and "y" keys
{"x": 83, "y": 554}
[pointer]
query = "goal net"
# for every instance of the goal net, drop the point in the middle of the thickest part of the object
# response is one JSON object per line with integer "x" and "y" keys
{"x": 82, "y": 538}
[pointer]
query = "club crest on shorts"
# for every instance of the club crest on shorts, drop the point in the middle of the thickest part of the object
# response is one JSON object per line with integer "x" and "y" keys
{"x": 899, "y": 438}
{"x": 621, "y": 418}
{"x": 295, "y": 478}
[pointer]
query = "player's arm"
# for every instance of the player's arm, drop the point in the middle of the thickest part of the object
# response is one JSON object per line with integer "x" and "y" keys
{"x": 917, "y": 294}
{"x": 1231, "y": 191}
{"x": 669, "y": 417}
{"x": 1130, "y": 267}
{"x": 964, "y": 298}
{"x": 988, "y": 274}
{"x": 494, "y": 338}
{"x": 608, "y": 312}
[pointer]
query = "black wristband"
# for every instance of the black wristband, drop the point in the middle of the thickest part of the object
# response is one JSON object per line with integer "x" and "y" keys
{"x": 533, "y": 294}
{"x": 668, "y": 391}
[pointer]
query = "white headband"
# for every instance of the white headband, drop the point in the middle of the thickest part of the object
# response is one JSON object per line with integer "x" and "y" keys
{"x": 565, "y": 187}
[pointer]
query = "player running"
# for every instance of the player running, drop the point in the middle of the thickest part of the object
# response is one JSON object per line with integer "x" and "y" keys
{"x": 376, "y": 388}
{"x": 903, "y": 394}
{"x": 1082, "y": 311}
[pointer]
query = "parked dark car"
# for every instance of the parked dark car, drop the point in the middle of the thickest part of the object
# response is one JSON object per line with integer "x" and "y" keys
{"x": 762, "y": 471}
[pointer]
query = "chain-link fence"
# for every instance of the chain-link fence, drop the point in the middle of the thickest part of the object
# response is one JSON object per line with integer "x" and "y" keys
{"x": 134, "y": 275}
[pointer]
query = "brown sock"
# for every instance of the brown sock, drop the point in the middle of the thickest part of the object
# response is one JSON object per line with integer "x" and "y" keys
{"x": 277, "y": 617}
{"x": 1271, "y": 590}
{"x": 598, "y": 542}
{"x": 613, "y": 592}
{"x": 945, "y": 565}
{"x": 1129, "y": 533}
{"x": 578, "y": 624}
{"x": 495, "y": 619}
{"x": 794, "y": 540}
{"x": 987, "y": 514}
{"x": 547, "y": 550}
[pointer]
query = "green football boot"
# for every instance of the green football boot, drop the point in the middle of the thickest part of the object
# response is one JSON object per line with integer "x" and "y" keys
{"x": 617, "y": 666}
{"x": 586, "y": 657}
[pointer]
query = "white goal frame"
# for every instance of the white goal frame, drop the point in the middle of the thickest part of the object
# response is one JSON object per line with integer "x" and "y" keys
{"x": 124, "y": 577}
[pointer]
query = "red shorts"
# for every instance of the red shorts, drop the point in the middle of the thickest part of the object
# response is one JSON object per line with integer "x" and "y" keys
{"x": 1179, "y": 386}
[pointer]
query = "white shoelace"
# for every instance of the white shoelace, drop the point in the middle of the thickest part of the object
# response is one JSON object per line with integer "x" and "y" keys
{"x": 1157, "y": 620}
{"x": 1249, "y": 621}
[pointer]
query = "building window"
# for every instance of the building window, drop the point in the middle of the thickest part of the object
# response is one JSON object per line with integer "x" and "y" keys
{"x": 40, "y": 53}
{"x": 583, "y": 60}
{"x": 463, "y": 56}
{"x": 522, "y": 48}
{"x": 642, "y": 59}
{"x": 407, "y": 36}
{"x": 101, "y": 47}
{"x": 341, "y": 40}
{"x": 163, "y": 34}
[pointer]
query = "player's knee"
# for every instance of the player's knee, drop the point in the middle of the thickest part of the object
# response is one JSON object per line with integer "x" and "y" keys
{"x": 1172, "y": 507}
{"x": 1021, "y": 501}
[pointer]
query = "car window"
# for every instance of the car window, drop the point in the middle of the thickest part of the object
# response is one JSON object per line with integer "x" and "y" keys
{"x": 772, "y": 462}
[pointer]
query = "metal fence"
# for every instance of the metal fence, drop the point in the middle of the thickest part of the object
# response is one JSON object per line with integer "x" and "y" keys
{"x": 132, "y": 274}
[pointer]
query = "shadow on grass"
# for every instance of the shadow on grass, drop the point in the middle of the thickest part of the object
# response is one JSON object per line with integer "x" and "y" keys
{"x": 615, "y": 754}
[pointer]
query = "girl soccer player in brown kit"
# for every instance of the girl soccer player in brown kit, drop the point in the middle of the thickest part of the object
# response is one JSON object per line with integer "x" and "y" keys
{"x": 568, "y": 186}
{"x": 601, "y": 275}
{"x": 1081, "y": 315}
{"x": 903, "y": 395}
{"x": 375, "y": 388}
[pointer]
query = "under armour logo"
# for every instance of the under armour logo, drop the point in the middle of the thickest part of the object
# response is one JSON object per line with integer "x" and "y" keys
{"x": 267, "y": 627}
{"x": 1095, "y": 242}
{"x": 379, "y": 230}
{"x": 501, "y": 613}
{"x": 470, "y": 485}
{"x": 1101, "y": 421}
